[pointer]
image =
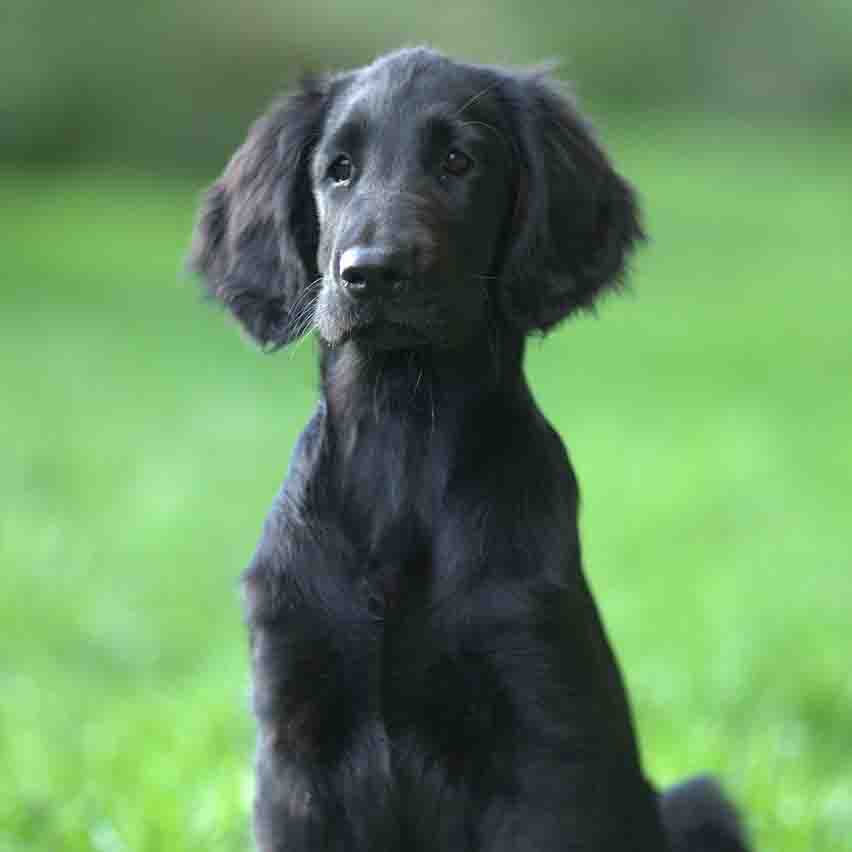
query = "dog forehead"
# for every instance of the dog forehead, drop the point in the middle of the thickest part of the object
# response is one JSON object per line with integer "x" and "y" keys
{"x": 406, "y": 88}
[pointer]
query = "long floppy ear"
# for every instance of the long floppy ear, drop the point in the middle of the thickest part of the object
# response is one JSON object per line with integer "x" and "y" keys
{"x": 576, "y": 220}
{"x": 255, "y": 240}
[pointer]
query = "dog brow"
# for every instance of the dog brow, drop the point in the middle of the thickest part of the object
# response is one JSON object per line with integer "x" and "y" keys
{"x": 350, "y": 133}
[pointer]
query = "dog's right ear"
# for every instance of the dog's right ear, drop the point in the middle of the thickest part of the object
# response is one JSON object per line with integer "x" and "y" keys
{"x": 255, "y": 240}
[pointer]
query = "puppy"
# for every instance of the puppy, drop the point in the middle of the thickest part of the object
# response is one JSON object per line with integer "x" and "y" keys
{"x": 430, "y": 670}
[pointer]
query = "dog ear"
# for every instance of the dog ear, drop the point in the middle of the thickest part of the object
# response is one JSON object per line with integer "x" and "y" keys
{"x": 576, "y": 220}
{"x": 255, "y": 240}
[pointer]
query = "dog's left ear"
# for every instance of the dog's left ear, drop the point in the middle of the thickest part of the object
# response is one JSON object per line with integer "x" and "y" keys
{"x": 256, "y": 237}
{"x": 576, "y": 220}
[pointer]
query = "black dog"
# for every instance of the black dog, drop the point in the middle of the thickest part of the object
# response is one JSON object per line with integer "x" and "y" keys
{"x": 430, "y": 671}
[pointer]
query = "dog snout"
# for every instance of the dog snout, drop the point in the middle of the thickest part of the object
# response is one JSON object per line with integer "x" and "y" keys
{"x": 375, "y": 271}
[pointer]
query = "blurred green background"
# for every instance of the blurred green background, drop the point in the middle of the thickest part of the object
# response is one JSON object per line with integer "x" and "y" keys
{"x": 709, "y": 414}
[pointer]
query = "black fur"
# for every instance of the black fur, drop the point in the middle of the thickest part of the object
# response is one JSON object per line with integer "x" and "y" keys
{"x": 430, "y": 670}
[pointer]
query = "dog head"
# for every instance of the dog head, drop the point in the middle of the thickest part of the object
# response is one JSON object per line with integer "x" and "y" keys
{"x": 408, "y": 203}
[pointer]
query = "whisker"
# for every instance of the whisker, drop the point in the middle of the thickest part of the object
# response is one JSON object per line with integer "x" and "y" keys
{"x": 376, "y": 407}
{"x": 303, "y": 317}
{"x": 477, "y": 96}
{"x": 301, "y": 324}
{"x": 302, "y": 312}
{"x": 306, "y": 294}
{"x": 302, "y": 334}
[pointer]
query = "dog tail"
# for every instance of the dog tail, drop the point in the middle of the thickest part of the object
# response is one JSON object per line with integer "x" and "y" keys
{"x": 699, "y": 818}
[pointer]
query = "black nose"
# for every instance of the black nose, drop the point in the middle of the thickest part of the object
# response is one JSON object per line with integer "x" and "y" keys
{"x": 370, "y": 271}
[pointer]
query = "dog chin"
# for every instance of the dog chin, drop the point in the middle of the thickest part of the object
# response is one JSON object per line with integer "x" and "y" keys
{"x": 377, "y": 335}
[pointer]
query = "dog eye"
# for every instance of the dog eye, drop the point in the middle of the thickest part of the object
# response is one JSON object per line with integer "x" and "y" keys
{"x": 456, "y": 163}
{"x": 340, "y": 171}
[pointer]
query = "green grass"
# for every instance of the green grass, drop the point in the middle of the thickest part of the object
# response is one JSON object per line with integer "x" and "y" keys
{"x": 709, "y": 418}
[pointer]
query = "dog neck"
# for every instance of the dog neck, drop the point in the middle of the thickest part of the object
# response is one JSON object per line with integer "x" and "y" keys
{"x": 399, "y": 424}
{"x": 428, "y": 388}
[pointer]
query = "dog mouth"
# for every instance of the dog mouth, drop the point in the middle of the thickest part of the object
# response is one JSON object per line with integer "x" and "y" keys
{"x": 375, "y": 325}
